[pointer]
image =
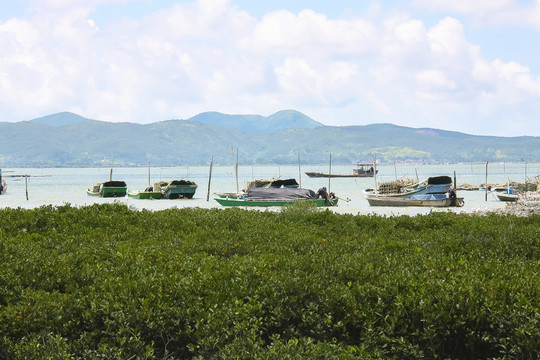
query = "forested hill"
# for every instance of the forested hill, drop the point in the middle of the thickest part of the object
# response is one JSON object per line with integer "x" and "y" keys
{"x": 67, "y": 139}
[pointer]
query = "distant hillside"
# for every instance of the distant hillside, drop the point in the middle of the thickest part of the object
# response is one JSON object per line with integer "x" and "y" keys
{"x": 285, "y": 119}
{"x": 60, "y": 119}
{"x": 82, "y": 142}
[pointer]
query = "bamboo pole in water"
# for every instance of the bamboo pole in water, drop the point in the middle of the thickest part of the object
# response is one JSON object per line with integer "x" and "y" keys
{"x": 299, "y": 172}
{"x": 329, "y": 172}
{"x": 486, "y": 185}
{"x": 374, "y": 170}
{"x": 209, "y": 179}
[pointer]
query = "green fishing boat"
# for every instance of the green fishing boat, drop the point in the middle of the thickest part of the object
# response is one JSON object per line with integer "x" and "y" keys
{"x": 267, "y": 203}
{"x": 111, "y": 188}
{"x": 176, "y": 189}
{"x": 265, "y": 197}
{"x": 147, "y": 194}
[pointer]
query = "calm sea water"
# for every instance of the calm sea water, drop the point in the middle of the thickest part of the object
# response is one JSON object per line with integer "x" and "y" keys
{"x": 69, "y": 185}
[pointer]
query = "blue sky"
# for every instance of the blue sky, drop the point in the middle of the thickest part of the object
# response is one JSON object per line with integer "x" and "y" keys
{"x": 461, "y": 65}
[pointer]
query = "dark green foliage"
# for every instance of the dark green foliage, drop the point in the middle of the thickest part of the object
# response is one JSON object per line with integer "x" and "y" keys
{"x": 109, "y": 282}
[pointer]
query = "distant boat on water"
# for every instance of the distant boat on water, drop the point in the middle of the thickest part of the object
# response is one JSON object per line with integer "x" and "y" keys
{"x": 362, "y": 170}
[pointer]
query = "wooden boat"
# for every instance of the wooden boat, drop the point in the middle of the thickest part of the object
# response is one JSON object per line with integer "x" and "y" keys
{"x": 176, "y": 189}
{"x": 260, "y": 183}
{"x": 265, "y": 197}
{"x": 148, "y": 193}
{"x": 362, "y": 170}
{"x": 505, "y": 194}
{"x": 433, "y": 192}
{"x": 112, "y": 188}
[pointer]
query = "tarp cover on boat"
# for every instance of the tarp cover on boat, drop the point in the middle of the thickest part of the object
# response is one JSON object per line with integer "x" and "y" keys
{"x": 440, "y": 180}
{"x": 285, "y": 183}
{"x": 115, "y": 183}
{"x": 281, "y": 193}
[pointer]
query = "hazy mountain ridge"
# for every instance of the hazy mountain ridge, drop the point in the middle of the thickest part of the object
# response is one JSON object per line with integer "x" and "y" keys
{"x": 71, "y": 140}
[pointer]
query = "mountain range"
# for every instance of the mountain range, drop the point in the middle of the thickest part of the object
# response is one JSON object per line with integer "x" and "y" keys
{"x": 70, "y": 140}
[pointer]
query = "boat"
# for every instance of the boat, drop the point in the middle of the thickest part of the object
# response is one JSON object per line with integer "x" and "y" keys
{"x": 436, "y": 191}
{"x": 176, "y": 189}
{"x": 3, "y": 184}
{"x": 148, "y": 193}
{"x": 261, "y": 183}
{"x": 112, "y": 188}
{"x": 265, "y": 197}
{"x": 362, "y": 170}
{"x": 505, "y": 194}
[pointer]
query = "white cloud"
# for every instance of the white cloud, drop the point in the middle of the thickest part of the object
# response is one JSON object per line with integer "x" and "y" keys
{"x": 307, "y": 33}
{"x": 465, "y": 6}
{"x": 209, "y": 55}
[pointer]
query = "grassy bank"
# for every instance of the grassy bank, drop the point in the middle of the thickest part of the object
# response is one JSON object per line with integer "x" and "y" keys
{"x": 105, "y": 281}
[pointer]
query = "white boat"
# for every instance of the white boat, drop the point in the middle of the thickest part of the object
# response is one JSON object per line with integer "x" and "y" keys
{"x": 433, "y": 192}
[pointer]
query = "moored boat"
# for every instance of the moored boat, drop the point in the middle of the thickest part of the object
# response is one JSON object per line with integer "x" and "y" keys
{"x": 3, "y": 184}
{"x": 362, "y": 170}
{"x": 147, "y": 194}
{"x": 176, "y": 189}
{"x": 436, "y": 191}
{"x": 505, "y": 194}
{"x": 260, "y": 183}
{"x": 112, "y": 188}
{"x": 265, "y": 197}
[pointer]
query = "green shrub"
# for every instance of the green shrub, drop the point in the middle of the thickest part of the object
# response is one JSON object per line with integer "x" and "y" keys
{"x": 107, "y": 281}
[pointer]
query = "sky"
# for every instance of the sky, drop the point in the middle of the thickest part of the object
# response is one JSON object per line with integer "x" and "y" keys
{"x": 460, "y": 65}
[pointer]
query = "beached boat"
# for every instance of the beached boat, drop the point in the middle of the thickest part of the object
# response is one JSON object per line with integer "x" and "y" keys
{"x": 505, "y": 194}
{"x": 434, "y": 192}
{"x": 112, "y": 188}
{"x": 176, "y": 189}
{"x": 279, "y": 197}
{"x": 362, "y": 170}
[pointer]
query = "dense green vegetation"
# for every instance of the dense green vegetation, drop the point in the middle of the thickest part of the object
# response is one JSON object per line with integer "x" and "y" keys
{"x": 67, "y": 140}
{"x": 109, "y": 282}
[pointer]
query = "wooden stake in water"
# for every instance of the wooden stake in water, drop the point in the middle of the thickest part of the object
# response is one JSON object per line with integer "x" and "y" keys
{"x": 26, "y": 185}
{"x": 329, "y": 172}
{"x": 209, "y": 179}
{"x": 374, "y": 170}
{"x": 299, "y": 172}
{"x": 486, "y": 185}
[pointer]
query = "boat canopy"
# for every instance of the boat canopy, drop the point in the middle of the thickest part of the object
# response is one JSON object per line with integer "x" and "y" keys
{"x": 284, "y": 193}
{"x": 115, "y": 183}
{"x": 181, "y": 182}
{"x": 284, "y": 183}
{"x": 439, "y": 180}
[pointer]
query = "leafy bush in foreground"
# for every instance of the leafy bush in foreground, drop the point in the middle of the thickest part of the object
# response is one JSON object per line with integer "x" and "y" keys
{"x": 109, "y": 282}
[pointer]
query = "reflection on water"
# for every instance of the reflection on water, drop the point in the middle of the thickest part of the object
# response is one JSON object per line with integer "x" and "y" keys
{"x": 69, "y": 185}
